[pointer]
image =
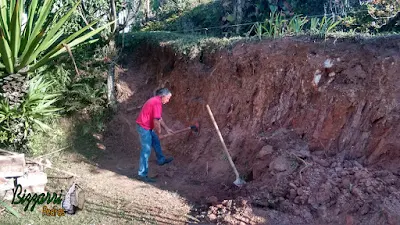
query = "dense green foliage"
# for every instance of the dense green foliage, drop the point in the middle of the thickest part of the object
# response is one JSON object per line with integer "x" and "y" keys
{"x": 28, "y": 97}
{"x": 188, "y": 45}
{"x": 221, "y": 18}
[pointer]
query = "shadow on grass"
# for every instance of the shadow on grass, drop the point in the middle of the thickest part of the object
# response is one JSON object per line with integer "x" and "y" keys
{"x": 84, "y": 137}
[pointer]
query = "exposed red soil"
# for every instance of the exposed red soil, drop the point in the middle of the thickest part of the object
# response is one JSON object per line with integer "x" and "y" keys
{"x": 314, "y": 128}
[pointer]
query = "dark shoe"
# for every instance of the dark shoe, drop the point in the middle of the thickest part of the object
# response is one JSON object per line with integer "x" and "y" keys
{"x": 146, "y": 179}
{"x": 167, "y": 160}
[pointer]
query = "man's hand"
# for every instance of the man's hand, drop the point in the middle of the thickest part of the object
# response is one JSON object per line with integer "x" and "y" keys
{"x": 162, "y": 123}
{"x": 169, "y": 131}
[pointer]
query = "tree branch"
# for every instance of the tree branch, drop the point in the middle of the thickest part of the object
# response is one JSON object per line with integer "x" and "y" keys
{"x": 83, "y": 17}
{"x": 391, "y": 23}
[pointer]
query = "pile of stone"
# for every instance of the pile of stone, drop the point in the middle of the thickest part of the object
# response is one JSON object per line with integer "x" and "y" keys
{"x": 15, "y": 170}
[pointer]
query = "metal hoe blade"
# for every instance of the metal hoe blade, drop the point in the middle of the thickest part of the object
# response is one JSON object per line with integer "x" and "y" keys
{"x": 239, "y": 182}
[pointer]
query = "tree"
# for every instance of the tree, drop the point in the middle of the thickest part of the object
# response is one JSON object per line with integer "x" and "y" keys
{"x": 25, "y": 48}
{"x": 386, "y": 13}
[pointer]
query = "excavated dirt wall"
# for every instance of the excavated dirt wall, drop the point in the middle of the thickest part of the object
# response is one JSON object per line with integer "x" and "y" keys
{"x": 314, "y": 125}
{"x": 339, "y": 96}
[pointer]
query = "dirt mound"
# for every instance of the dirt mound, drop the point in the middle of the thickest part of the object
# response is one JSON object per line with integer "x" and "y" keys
{"x": 326, "y": 189}
{"x": 314, "y": 127}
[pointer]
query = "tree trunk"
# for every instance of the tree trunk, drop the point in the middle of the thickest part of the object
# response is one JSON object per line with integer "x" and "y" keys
{"x": 113, "y": 16}
{"x": 112, "y": 49}
{"x": 239, "y": 14}
{"x": 148, "y": 10}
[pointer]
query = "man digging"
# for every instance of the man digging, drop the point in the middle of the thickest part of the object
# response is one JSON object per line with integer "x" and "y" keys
{"x": 148, "y": 126}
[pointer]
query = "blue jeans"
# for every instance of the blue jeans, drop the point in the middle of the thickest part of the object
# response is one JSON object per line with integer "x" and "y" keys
{"x": 148, "y": 139}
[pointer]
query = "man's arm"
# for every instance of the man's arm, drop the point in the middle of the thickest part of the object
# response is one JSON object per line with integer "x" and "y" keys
{"x": 157, "y": 126}
{"x": 165, "y": 126}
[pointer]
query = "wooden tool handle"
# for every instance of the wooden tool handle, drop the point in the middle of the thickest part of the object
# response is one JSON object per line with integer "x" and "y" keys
{"x": 175, "y": 132}
{"x": 222, "y": 141}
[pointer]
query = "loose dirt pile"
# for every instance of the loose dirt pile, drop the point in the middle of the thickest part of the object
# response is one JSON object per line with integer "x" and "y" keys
{"x": 320, "y": 188}
{"x": 314, "y": 128}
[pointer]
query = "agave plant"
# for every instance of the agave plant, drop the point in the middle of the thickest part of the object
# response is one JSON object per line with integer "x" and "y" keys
{"x": 25, "y": 100}
{"x": 16, "y": 124}
{"x": 27, "y": 47}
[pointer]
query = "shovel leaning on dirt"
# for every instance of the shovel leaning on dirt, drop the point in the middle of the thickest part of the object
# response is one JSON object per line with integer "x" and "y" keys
{"x": 238, "y": 182}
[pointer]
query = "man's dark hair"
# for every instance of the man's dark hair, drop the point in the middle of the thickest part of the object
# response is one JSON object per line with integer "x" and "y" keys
{"x": 163, "y": 92}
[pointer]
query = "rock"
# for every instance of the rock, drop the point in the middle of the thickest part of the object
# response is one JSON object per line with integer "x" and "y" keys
{"x": 280, "y": 164}
{"x": 322, "y": 162}
{"x": 169, "y": 173}
{"x": 292, "y": 194}
{"x": 338, "y": 169}
{"x": 346, "y": 183}
{"x": 343, "y": 173}
{"x": 357, "y": 192}
{"x": 337, "y": 211}
{"x": 242, "y": 202}
{"x": 357, "y": 164}
{"x": 390, "y": 179}
{"x": 12, "y": 165}
{"x": 33, "y": 182}
{"x": 390, "y": 210}
{"x": 292, "y": 185}
{"x": 370, "y": 190}
{"x": 266, "y": 150}
{"x": 212, "y": 217}
{"x": 336, "y": 180}
{"x": 173, "y": 168}
{"x": 328, "y": 63}
{"x": 322, "y": 197}
{"x": 212, "y": 200}
{"x": 382, "y": 173}
{"x": 6, "y": 186}
{"x": 300, "y": 191}
{"x": 349, "y": 220}
{"x": 303, "y": 199}
{"x": 259, "y": 168}
{"x": 303, "y": 153}
{"x": 297, "y": 200}
{"x": 98, "y": 136}
{"x": 365, "y": 209}
{"x": 213, "y": 210}
{"x": 322, "y": 212}
{"x": 227, "y": 203}
{"x": 336, "y": 190}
